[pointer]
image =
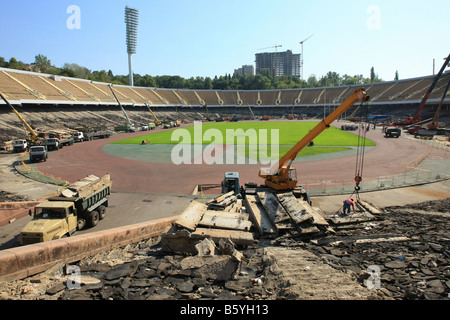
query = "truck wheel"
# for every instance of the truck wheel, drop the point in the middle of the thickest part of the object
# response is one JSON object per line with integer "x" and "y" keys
{"x": 102, "y": 212}
{"x": 81, "y": 223}
{"x": 93, "y": 218}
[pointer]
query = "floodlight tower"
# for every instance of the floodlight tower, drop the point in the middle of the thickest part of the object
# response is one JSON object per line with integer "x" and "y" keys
{"x": 132, "y": 21}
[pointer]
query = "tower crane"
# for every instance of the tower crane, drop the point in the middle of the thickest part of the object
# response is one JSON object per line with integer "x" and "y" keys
{"x": 301, "y": 58}
{"x": 276, "y": 47}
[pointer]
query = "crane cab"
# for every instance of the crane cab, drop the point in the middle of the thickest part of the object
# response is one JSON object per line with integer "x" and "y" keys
{"x": 282, "y": 181}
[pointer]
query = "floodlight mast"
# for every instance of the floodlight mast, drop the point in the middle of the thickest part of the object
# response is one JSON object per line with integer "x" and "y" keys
{"x": 132, "y": 21}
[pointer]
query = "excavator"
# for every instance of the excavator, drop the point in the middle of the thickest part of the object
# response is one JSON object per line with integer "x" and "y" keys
{"x": 32, "y": 137}
{"x": 281, "y": 176}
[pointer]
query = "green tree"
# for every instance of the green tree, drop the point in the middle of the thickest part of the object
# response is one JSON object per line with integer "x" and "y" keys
{"x": 67, "y": 72}
{"x": 396, "y": 75}
{"x": 312, "y": 81}
{"x": 42, "y": 63}
{"x": 372, "y": 74}
{"x": 14, "y": 64}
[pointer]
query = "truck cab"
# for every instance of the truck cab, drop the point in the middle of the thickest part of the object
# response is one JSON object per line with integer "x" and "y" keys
{"x": 52, "y": 144}
{"x": 51, "y": 221}
{"x": 38, "y": 153}
{"x": 20, "y": 145}
{"x": 78, "y": 136}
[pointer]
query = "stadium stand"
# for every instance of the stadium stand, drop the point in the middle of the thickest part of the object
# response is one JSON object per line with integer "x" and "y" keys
{"x": 189, "y": 96}
{"x": 169, "y": 96}
{"x": 14, "y": 90}
{"x": 270, "y": 97}
{"x": 29, "y": 87}
{"x": 230, "y": 98}
{"x": 249, "y": 98}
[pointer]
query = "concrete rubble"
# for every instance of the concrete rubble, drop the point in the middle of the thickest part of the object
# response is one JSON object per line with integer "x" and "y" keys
{"x": 406, "y": 246}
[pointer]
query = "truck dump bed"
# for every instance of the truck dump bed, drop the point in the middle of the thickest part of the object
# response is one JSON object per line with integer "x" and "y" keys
{"x": 86, "y": 187}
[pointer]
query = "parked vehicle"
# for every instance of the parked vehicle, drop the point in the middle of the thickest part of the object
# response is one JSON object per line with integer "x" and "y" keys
{"x": 393, "y": 132}
{"x": 127, "y": 128}
{"x": 52, "y": 144}
{"x": 20, "y": 145}
{"x": 38, "y": 153}
{"x": 81, "y": 204}
{"x": 78, "y": 136}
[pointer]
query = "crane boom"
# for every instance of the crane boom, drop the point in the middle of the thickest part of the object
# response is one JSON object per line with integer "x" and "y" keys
{"x": 276, "y": 176}
{"x": 427, "y": 95}
{"x": 157, "y": 122}
{"x": 276, "y": 47}
{"x": 33, "y": 137}
{"x": 123, "y": 110}
{"x": 435, "y": 123}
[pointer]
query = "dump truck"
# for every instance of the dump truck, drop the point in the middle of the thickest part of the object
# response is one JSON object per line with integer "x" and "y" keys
{"x": 127, "y": 128}
{"x": 80, "y": 204}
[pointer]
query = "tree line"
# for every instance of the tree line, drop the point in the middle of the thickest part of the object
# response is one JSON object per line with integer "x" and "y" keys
{"x": 224, "y": 82}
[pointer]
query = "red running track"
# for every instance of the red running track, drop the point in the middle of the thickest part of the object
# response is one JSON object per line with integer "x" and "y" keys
{"x": 389, "y": 157}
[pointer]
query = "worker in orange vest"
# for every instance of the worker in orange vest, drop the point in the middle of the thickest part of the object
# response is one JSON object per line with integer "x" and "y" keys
{"x": 347, "y": 204}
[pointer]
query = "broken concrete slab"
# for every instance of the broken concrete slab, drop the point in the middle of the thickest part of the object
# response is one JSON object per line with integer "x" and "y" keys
{"x": 240, "y": 238}
{"x": 225, "y": 220}
{"x": 260, "y": 218}
{"x": 218, "y": 268}
{"x": 273, "y": 208}
{"x": 123, "y": 270}
{"x": 206, "y": 247}
{"x": 191, "y": 216}
{"x": 356, "y": 217}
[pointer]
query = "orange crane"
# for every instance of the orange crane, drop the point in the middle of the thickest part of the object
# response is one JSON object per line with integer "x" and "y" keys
{"x": 281, "y": 176}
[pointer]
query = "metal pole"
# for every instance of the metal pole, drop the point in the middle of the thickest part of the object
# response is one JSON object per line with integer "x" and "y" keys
{"x": 130, "y": 68}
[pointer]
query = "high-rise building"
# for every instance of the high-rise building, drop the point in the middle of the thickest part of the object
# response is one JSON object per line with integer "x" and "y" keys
{"x": 246, "y": 69}
{"x": 278, "y": 63}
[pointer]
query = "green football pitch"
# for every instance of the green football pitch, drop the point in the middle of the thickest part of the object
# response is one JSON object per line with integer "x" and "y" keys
{"x": 254, "y": 133}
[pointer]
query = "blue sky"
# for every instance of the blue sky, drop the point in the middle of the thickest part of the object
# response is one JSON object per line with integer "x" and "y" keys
{"x": 212, "y": 37}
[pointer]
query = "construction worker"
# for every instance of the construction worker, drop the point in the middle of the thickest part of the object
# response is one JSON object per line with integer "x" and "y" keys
{"x": 347, "y": 204}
